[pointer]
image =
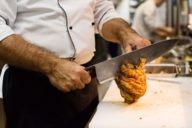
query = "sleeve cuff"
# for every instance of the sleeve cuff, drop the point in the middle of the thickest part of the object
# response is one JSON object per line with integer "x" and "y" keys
{"x": 5, "y": 30}
{"x": 106, "y": 17}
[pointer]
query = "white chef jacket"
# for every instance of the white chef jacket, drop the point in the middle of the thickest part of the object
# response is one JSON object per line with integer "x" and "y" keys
{"x": 64, "y": 27}
{"x": 148, "y": 17}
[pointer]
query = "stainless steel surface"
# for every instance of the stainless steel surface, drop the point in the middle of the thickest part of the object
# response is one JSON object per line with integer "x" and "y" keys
{"x": 161, "y": 70}
{"x": 181, "y": 53}
{"x": 168, "y": 69}
{"x": 107, "y": 70}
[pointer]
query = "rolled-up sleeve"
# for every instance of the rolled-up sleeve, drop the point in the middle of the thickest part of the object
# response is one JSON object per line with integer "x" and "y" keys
{"x": 104, "y": 11}
{"x": 5, "y": 30}
{"x": 8, "y": 11}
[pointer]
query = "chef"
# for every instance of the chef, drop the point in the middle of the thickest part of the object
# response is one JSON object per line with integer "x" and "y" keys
{"x": 47, "y": 45}
{"x": 150, "y": 20}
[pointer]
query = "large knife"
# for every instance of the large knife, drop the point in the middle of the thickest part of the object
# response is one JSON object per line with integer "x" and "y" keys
{"x": 106, "y": 70}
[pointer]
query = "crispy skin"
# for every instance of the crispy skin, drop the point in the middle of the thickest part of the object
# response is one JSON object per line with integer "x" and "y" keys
{"x": 131, "y": 81}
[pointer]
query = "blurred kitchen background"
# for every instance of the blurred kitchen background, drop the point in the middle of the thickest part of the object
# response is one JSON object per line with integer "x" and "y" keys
{"x": 177, "y": 15}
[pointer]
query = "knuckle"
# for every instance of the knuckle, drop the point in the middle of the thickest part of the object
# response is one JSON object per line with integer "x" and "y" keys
{"x": 88, "y": 80}
{"x": 81, "y": 86}
{"x": 67, "y": 90}
{"x": 74, "y": 78}
{"x": 66, "y": 87}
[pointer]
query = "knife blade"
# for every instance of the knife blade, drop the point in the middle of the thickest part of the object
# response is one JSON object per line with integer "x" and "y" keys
{"x": 106, "y": 70}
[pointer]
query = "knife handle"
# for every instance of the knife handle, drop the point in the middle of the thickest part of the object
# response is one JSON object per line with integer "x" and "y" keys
{"x": 91, "y": 71}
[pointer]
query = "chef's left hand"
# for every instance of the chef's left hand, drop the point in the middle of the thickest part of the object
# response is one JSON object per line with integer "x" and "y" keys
{"x": 119, "y": 31}
{"x": 133, "y": 42}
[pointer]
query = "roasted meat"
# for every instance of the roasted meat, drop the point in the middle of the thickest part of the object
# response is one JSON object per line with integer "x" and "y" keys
{"x": 131, "y": 80}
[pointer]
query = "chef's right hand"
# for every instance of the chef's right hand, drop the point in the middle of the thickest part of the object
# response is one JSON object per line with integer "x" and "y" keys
{"x": 68, "y": 76}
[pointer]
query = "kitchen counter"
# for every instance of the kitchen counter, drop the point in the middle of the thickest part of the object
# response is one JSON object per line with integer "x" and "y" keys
{"x": 166, "y": 104}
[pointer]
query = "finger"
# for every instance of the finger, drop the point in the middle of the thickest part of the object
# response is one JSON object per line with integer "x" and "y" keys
{"x": 72, "y": 87}
{"x": 66, "y": 87}
{"x": 143, "y": 43}
{"x": 128, "y": 49}
{"x": 61, "y": 87}
{"x": 146, "y": 42}
{"x": 86, "y": 78}
{"x": 79, "y": 85}
{"x": 77, "y": 82}
{"x": 73, "y": 84}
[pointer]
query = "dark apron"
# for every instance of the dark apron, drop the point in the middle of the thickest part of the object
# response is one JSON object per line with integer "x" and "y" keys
{"x": 30, "y": 101}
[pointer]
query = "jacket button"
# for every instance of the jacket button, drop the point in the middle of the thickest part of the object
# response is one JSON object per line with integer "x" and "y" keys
{"x": 70, "y": 27}
{"x": 92, "y": 23}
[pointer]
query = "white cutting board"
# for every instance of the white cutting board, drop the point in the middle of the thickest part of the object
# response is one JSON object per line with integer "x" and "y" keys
{"x": 165, "y": 105}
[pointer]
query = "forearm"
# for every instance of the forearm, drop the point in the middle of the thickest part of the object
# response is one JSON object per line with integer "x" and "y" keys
{"x": 16, "y": 51}
{"x": 119, "y": 31}
{"x": 114, "y": 30}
